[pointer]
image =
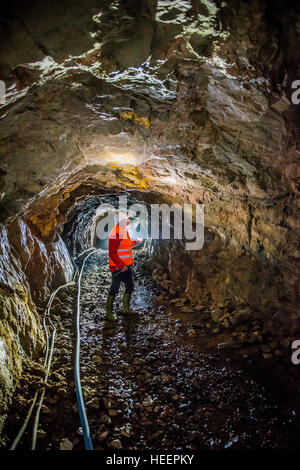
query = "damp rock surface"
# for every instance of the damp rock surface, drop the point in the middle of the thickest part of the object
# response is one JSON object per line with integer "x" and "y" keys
{"x": 148, "y": 384}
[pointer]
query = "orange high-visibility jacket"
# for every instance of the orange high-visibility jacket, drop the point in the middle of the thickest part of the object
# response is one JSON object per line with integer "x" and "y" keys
{"x": 124, "y": 251}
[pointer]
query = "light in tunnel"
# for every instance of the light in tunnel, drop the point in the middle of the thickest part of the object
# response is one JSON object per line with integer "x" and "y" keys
{"x": 120, "y": 157}
{"x": 124, "y": 153}
{"x": 124, "y": 158}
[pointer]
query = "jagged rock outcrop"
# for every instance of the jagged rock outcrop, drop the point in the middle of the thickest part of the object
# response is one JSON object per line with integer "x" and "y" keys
{"x": 20, "y": 325}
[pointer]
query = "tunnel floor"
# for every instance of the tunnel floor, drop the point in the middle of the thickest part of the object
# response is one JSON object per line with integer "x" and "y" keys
{"x": 149, "y": 384}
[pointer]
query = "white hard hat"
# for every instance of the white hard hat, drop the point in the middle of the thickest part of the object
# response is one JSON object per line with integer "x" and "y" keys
{"x": 120, "y": 216}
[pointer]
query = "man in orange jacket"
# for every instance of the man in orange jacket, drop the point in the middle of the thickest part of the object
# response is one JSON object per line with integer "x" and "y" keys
{"x": 120, "y": 264}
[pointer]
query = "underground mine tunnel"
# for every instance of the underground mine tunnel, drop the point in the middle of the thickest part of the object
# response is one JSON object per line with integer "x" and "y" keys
{"x": 165, "y": 103}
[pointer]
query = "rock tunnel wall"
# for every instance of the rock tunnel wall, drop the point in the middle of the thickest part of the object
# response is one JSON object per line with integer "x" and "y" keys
{"x": 30, "y": 269}
{"x": 230, "y": 279}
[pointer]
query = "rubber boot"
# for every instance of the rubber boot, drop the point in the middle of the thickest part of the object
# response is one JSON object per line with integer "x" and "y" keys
{"x": 126, "y": 304}
{"x": 109, "y": 308}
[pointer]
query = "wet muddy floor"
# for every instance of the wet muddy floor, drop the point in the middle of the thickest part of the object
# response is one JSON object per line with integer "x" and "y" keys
{"x": 157, "y": 380}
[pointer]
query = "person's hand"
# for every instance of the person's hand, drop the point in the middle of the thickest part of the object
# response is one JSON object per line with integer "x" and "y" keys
{"x": 124, "y": 269}
{"x": 139, "y": 241}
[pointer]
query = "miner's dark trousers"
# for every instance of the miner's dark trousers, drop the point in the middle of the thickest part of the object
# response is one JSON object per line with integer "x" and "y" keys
{"x": 126, "y": 277}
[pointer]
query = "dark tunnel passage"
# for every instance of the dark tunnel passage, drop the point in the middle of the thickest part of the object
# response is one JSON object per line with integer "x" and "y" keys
{"x": 173, "y": 106}
{"x": 179, "y": 365}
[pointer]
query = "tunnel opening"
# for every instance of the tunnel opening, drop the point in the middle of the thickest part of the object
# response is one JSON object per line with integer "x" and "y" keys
{"x": 190, "y": 304}
{"x": 185, "y": 311}
{"x": 184, "y": 317}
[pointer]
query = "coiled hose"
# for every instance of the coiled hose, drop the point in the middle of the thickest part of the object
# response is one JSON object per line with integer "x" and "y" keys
{"x": 80, "y": 401}
{"x": 37, "y": 415}
{"x": 47, "y": 365}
